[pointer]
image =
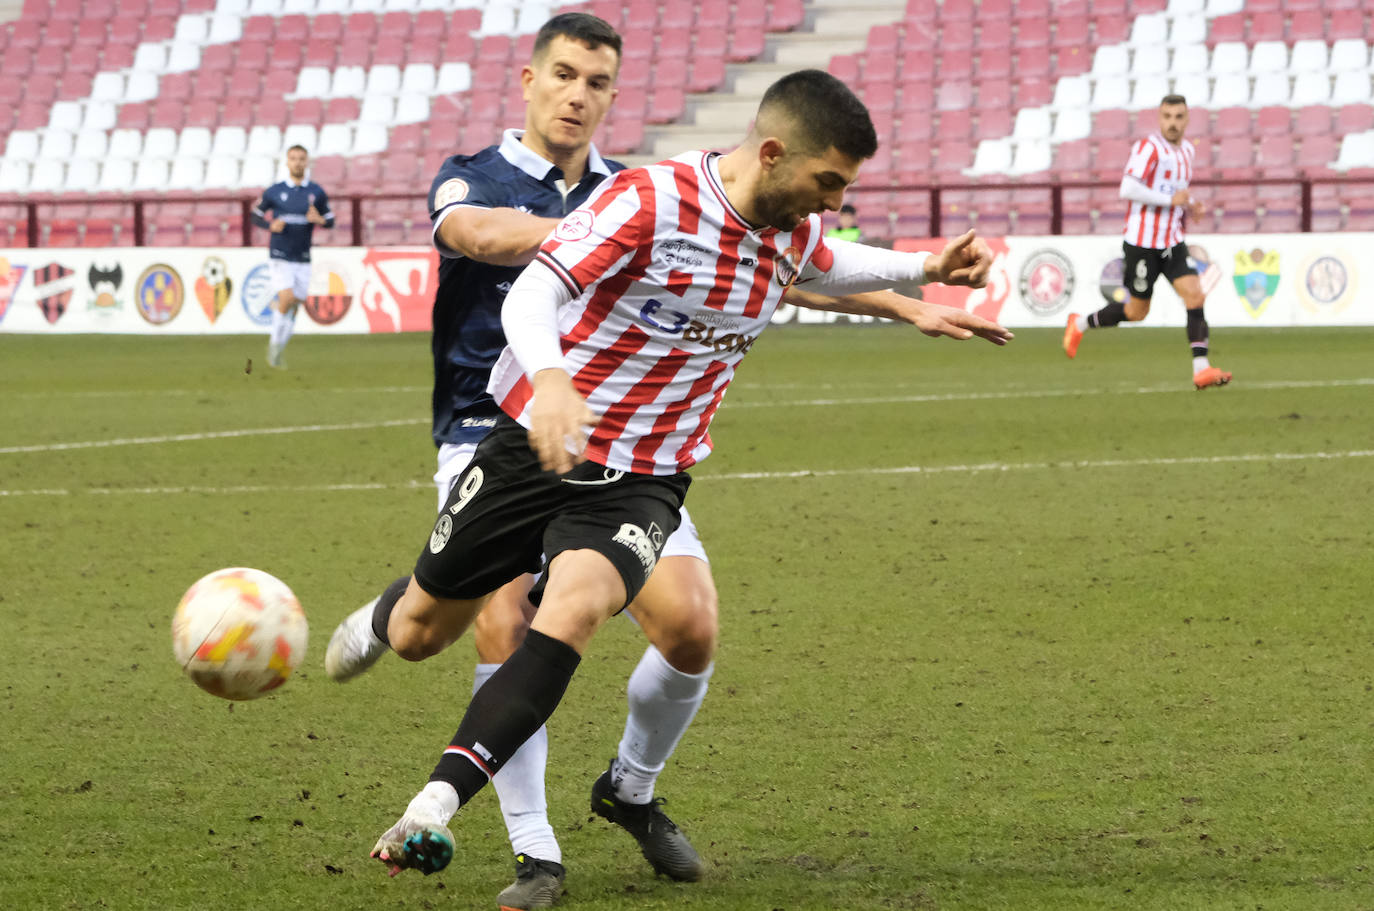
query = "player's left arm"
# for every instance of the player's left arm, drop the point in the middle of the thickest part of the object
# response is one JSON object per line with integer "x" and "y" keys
{"x": 934, "y": 320}
{"x": 320, "y": 213}
{"x": 840, "y": 268}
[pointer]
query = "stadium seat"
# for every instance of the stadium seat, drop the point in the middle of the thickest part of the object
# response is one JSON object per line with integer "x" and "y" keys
{"x": 14, "y": 176}
{"x": 1311, "y": 89}
{"x": 1195, "y": 87}
{"x": 1148, "y": 90}
{"x": 1072, "y": 92}
{"x": 1349, "y": 54}
{"x": 1231, "y": 90}
{"x": 1351, "y": 87}
{"x": 186, "y": 174}
{"x": 1111, "y": 92}
{"x": 194, "y": 142}
{"x": 1071, "y": 124}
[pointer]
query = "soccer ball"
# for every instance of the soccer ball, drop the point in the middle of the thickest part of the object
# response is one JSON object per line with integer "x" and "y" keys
{"x": 239, "y": 633}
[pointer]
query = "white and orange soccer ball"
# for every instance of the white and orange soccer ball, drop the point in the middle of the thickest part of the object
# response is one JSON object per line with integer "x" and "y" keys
{"x": 239, "y": 633}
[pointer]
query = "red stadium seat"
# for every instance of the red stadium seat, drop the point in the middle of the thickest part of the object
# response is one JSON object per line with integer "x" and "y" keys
{"x": 706, "y": 74}
{"x": 1073, "y": 160}
{"x": 1110, "y": 29}
{"x": 1346, "y": 23}
{"x": 1274, "y": 157}
{"x": 667, "y": 104}
{"x": 1265, "y": 27}
{"x": 1033, "y": 92}
{"x": 994, "y": 95}
{"x": 785, "y": 15}
{"x": 917, "y": 64}
{"x": 993, "y": 122}
{"x": 1033, "y": 32}
{"x": 132, "y": 116}
{"x": 285, "y": 54}
{"x": 1273, "y": 121}
{"x": 64, "y": 10}
{"x": 238, "y": 111}
{"x": 1354, "y": 118}
{"x": 91, "y": 32}
{"x": 1230, "y": 27}
{"x": 341, "y": 110}
{"x": 956, "y": 35}
{"x": 994, "y": 64}
{"x": 1317, "y": 153}
{"x": 953, "y": 155}
{"x": 746, "y": 43}
{"x": 1073, "y": 61}
{"x": 1231, "y": 122}
{"x": 1032, "y": 61}
{"x": 844, "y": 67}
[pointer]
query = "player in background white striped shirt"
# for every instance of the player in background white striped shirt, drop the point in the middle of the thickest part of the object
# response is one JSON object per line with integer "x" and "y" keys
{"x": 675, "y": 268}
{"x": 1155, "y": 186}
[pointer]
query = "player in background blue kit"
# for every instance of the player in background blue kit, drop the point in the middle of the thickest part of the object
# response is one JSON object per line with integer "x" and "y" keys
{"x": 297, "y": 206}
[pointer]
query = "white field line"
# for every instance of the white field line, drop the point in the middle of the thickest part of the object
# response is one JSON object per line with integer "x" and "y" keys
{"x": 1073, "y": 465}
{"x": 793, "y": 403}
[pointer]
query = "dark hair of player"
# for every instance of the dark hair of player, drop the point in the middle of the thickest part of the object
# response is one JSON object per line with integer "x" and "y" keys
{"x": 301, "y": 147}
{"x": 583, "y": 27}
{"x": 823, "y": 112}
{"x": 1174, "y": 99}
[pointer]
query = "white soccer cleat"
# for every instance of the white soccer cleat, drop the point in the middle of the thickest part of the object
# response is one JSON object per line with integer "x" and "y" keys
{"x": 274, "y": 358}
{"x": 419, "y": 841}
{"x": 354, "y": 647}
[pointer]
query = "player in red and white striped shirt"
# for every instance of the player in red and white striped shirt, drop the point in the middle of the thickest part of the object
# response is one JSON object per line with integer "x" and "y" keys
{"x": 1155, "y": 186}
{"x": 623, "y": 336}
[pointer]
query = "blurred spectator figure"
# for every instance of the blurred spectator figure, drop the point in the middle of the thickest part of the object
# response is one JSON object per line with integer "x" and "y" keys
{"x": 848, "y": 228}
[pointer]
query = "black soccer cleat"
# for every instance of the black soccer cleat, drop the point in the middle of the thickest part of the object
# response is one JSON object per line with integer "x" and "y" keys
{"x": 538, "y": 884}
{"x": 660, "y": 840}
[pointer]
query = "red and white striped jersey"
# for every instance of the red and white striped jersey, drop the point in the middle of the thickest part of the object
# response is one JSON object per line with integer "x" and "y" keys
{"x": 1164, "y": 168}
{"x": 671, "y": 287}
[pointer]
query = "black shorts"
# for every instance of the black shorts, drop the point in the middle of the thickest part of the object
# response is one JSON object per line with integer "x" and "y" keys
{"x": 505, "y": 515}
{"x": 1142, "y": 265}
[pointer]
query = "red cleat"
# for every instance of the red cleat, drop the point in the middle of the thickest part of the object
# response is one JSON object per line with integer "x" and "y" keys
{"x": 1073, "y": 335}
{"x": 1210, "y": 376}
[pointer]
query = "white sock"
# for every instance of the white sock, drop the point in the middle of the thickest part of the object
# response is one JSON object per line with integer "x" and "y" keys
{"x": 439, "y": 798}
{"x": 288, "y": 325}
{"x": 520, "y": 786}
{"x": 274, "y": 336}
{"x": 1082, "y": 322}
{"x": 663, "y": 701}
{"x": 1200, "y": 364}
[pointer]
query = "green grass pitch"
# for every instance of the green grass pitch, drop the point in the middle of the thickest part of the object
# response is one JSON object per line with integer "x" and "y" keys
{"x": 999, "y": 630}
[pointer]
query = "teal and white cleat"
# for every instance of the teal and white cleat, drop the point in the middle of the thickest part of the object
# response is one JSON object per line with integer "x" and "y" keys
{"x": 415, "y": 844}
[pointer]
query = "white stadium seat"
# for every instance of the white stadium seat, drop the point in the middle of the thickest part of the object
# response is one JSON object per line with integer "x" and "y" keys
{"x": 48, "y": 176}
{"x": 412, "y": 109}
{"x": 258, "y": 173}
{"x": 1031, "y": 123}
{"x": 1230, "y": 57}
{"x": 151, "y": 57}
{"x": 1311, "y": 89}
{"x": 142, "y": 86}
{"x": 332, "y": 6}
{"x": 367, "y": 6}
{"x": 497, "y": 20}
{"x": 1149, "y": 29}
{"x": 1271, "y": 89}
{"x": 126, "y": 144}
{"x": 1231, "y": 90}
{"x": 192, "y": 28}
{"x": 300, "y": 134}
{"x": 224, "y": 29}
{"x": 264, "y": 7}
{"x": 1309, "y": 56}
{"x": 1224, "y": 7}
{"x": 348, "y": 82}
{"x": 1186, "y": 7}
{"x": 1031, "y": 157}
{"x": 183, "y": 58}
{"x": 383, "y": 79}
{"x": 194, "y": 142}
{"x": 1148, "y": 90}
{"x": 116, "y": 176}
{"x": 222, "y": 173}
{"x": 1269, "y": 57}
{"x": 150, "y": 175}
{"x": 312, "y": 82}
{"x": 65, "y": 115}
{"x": 187, "y": 174}
{"x": 83, "y": 176}
{"x": 94, "y": 144}
{"x": 1352, "y": 87}
{"x": 108, "y": 87}
{"x": 993, "y": 157}
{"x": 1112, "y": 92}
{"x": 1071, "y": 92}
{"x": 14, "y": 176}
{"x": 418, "y": 78}
{"x": 335, "y": 139}
{"x": 230, "y": 142}
{"x": 56, "y": 144}
{"x": 1150, "y": 60}
{"x": 291, "y": 7}
{"x": 1188, "y": 30}
{"x": 1349, "y": 54}
{"x": 100, "y": 115}
{"x": 232, "y": 7}
{"x": 1111, "y": 60}
{"x": 1196, "y": 87}
{"x": 369, "y": 140}
{"x": 377, "y": 109}
{"x": 453, "y": 77}
{"x": 1189, "y": 58}
{"x": 159, "y": 142}
{"x": 1357, "y": 151}
{"x": 1071, "y": 124}
{"x": 22, "y": 145}
{"x": 531, "y": 17}
{"x": 264, "y": 139}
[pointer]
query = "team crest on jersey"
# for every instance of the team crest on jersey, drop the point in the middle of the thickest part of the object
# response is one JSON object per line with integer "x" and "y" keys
{"x": 576, "y": 226}
{"x": 443, "y": 530}
{"x": 786, "y": 266}
{"x": 1257, "y": 278}
{"x": 1326, "y": 284}
{"x": 455, "y": 189}
{"x": 1046, "y": 282}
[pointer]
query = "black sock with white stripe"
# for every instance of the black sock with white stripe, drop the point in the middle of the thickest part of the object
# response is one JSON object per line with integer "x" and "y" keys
{"x": 513, "y": 704}
{"x": 1108, "y": 316}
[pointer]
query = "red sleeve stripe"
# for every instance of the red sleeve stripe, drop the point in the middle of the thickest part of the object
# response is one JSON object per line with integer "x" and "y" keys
{"x": 558, "y": 269}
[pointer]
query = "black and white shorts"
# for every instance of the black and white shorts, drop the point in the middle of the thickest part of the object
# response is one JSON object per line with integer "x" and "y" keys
{"x": 1141, "y": 266}
{"x": 506, "y": 515}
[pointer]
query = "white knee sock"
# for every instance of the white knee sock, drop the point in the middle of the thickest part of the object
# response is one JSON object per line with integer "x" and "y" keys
{"x": 278, "y": 318}
{"x": 288, "y": 325}
{"x": 520, "y": 786}
{"x": 663, "y": 701}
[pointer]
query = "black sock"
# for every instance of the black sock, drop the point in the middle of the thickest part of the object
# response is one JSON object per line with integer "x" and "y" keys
{"x": 506, "y": 712}
{"x": 1108, "y": 316}
{"x": 381, "y": 613}
{"x": 1197, "y": 332}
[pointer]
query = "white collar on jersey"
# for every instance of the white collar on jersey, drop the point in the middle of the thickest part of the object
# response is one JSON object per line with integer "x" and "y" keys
{"x": 536, "y": 165}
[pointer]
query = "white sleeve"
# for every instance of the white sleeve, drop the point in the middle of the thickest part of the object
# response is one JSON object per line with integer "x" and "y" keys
{"x": 1134, "y": 190}
{"x": 857, "y": 268}
{"x": 529, "y": 317}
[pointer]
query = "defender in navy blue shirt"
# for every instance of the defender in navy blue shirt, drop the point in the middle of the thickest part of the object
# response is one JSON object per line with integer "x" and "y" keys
{"x": 297, "y": 206}
{"x": 467, "y": 306}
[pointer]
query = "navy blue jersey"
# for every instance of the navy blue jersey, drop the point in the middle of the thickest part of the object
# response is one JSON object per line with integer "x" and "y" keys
{"x": 290, "y": 202}
{"x": 467, "y": 306}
